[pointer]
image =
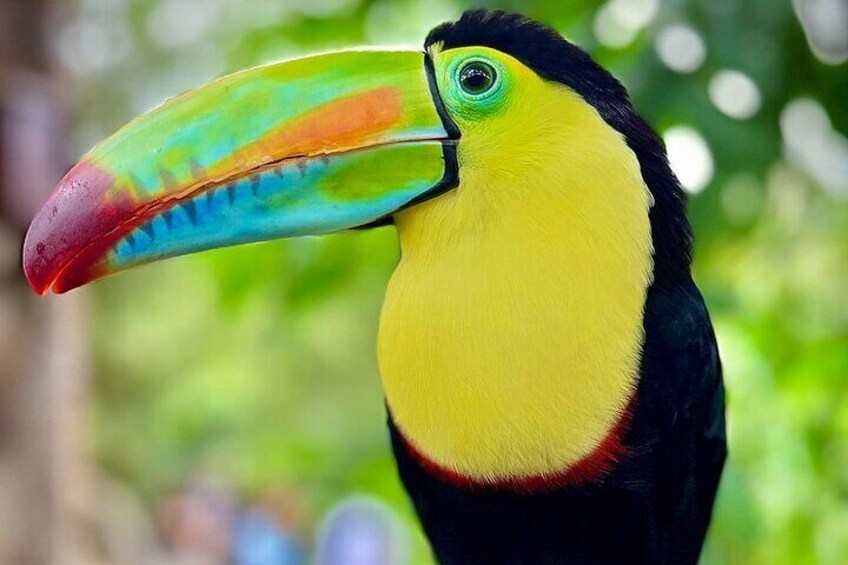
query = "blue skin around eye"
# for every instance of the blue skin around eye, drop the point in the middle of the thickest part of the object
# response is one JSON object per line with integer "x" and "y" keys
{"x": 473, "y": 106}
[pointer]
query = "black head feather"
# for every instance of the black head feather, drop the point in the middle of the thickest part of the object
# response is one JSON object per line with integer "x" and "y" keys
{"x": 546, "y": 52}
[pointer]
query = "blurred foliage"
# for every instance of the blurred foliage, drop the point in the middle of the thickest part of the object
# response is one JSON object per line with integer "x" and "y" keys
{"x": 256, "y": 364}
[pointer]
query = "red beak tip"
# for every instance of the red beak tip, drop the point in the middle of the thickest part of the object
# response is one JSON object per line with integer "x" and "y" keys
{"x": 65, "y": 239}
{"x": 35, "y": 268}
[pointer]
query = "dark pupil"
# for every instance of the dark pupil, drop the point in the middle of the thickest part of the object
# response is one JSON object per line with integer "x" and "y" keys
{"x": 477, "y": 78}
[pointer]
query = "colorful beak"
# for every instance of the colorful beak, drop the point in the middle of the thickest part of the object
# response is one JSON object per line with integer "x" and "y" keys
{"x": 308, "y": 146}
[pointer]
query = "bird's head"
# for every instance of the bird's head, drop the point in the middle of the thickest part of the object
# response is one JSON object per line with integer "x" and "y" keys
{"x": 332, "y": 142}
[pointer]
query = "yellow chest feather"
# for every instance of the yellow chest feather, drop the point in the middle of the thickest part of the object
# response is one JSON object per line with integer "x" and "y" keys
{"x": 512, "y": 328}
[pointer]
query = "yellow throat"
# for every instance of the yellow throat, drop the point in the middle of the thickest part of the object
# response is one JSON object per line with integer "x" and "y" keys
{"x": 512, "y": 328}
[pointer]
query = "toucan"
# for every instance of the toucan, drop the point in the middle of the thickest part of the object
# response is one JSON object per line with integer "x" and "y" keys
{"x": 553, "y": 384}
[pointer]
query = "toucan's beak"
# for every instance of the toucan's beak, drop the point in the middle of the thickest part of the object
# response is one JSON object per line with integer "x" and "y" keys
{"x": 308, "y": 146}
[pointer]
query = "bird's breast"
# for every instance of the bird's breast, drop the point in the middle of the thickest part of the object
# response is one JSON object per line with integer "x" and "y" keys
{"x": 509, "y": 362}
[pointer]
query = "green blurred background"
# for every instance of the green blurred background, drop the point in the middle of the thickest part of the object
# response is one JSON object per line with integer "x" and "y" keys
{"x": 254, "y": 368}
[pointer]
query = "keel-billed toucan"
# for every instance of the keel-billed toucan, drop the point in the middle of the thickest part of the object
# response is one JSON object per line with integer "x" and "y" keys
{"x": 551, "y": 374}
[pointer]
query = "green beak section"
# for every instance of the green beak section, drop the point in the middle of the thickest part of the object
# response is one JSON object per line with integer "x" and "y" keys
{"x": 309, "y": 146}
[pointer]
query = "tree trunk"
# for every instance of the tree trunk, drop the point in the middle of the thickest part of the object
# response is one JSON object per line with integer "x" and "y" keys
{"x": 45, "y": 486}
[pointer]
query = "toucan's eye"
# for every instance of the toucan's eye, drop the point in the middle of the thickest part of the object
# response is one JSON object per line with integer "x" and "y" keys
{"x": 477, "y": 77}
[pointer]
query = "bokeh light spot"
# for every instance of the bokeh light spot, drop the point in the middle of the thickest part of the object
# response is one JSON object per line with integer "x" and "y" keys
{"x": 174, "y": 23}
{"x": 619, "y": 21}
{"x": 825, "y": 23}
{"x": 735, "y": 94}
{"x": 690, "y": 158}
{"x": 85, "y": 46}
{"x": 681, "y": 48}
{"x": 811, "y": 142}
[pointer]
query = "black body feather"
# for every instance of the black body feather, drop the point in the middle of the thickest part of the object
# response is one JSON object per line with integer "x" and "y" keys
{"x": 655, "y": 505}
